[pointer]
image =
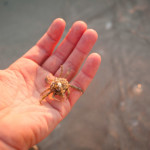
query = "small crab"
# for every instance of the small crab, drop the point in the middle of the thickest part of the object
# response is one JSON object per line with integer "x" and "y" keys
{"x": 58, "y": 86}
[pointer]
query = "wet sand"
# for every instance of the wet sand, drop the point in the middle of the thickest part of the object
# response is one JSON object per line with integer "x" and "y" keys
{"x": 114, "y": 113}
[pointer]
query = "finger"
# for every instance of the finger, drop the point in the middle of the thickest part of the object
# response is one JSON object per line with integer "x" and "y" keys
{"x": 47, "y": 43}
{"x": 79, "y": 53}
{"x": 53, "y": 63}
{"x": 85, "y": 76}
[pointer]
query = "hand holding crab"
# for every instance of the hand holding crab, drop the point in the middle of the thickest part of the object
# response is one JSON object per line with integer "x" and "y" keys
{"x": 22, "y": 83}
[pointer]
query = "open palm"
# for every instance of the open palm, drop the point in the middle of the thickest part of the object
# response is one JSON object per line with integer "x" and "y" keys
{"x": 23, "y": 121}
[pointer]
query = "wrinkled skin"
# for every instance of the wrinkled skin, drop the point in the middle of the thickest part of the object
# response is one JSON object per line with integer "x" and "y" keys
{"x": 23, "y": 121}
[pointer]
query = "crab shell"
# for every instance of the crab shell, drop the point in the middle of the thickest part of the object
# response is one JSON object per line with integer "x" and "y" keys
{"x": 59, "y": 86}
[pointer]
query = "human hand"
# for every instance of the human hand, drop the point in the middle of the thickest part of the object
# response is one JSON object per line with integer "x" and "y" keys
{"x": 23, "y": 120}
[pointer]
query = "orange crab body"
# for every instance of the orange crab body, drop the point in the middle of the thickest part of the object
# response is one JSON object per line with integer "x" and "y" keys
{"x": 58, "y": 86}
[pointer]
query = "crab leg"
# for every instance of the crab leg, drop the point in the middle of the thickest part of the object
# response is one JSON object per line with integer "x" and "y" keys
{"x": 45, "y": 97}
{"x": 45, "y": 91}
{"x": 67, "y": 74}
{"x": 48, "y": 80}
{"x": 61, "y": 71}
{"x": 68, "y": 93}
{"x": 53, "y": 96}
{"x": 77, "y": 88}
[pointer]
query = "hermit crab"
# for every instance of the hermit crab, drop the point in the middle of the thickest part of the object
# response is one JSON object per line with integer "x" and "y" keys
{"x": 59, "y": 86}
